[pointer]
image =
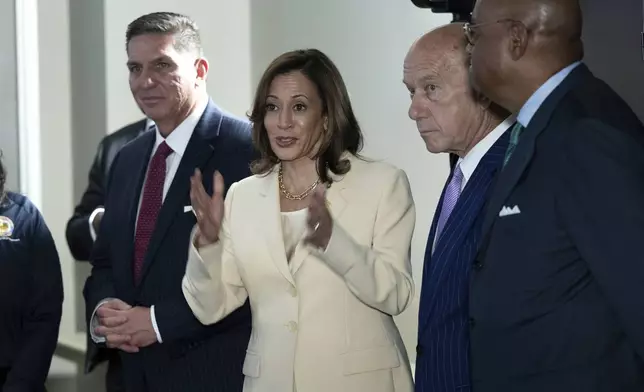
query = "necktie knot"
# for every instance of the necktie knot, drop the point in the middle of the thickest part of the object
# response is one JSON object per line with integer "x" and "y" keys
{"x": 163, "y": 151}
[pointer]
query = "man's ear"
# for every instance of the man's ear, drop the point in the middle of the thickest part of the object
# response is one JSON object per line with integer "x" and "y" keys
{"x": 518, "y": 43}
{"x": 201, "y": 64}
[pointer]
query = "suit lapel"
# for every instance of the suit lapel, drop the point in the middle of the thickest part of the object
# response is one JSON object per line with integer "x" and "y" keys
{"x": 269, "y": 219}
{"x": 429, "y": 248}
{"x": 524, "y": 151}
{"x": 460, "y": 223}
{"x": 199, "y": 150}
{"x": 133, "y": 191}
{"x": 510, "y": 175}
{"x": 271, "y": 224}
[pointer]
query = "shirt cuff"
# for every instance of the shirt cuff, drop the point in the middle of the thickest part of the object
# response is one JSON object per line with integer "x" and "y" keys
{"x": 92, "y": 232}
{"x": 93, "y": 323}
{"x": 154, "y": 324}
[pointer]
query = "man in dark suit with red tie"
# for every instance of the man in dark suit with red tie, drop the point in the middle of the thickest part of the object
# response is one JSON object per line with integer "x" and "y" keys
{"x": 451, "y": 118}
{"x": 133, "y": 296}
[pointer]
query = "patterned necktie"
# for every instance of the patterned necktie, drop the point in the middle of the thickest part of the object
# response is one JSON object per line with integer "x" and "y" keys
{"x": 151, "y": 202}
{"x": 515, "y": 133}
{"x": 452, "y": 193}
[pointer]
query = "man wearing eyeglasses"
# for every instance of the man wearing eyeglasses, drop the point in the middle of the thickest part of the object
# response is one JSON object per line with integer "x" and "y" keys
{"x": 451, "y": 118}
{"x": 556, "y": 299}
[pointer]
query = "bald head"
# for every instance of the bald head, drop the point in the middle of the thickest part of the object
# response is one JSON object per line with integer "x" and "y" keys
{"x": 449, "y": 115}
{"x": 445, "y": 45}
{"x": 555, "y": 26}
{"x": 517, "y": 45}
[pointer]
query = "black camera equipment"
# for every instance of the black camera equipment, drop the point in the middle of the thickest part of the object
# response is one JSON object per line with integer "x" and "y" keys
{"x": 461, "y": 10}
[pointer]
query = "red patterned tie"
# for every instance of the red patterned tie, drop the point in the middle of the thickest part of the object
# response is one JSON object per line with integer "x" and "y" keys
{"x": 151, "y": 202}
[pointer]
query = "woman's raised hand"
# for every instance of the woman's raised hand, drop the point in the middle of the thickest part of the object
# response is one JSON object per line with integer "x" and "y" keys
{"x": 209, "y": 210}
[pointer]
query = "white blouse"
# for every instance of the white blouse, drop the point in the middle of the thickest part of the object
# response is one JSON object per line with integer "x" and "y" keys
{"x": 293, "y": 228}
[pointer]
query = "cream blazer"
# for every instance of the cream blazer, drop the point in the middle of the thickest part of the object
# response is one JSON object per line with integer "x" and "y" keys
{"x": 323, "y": 321}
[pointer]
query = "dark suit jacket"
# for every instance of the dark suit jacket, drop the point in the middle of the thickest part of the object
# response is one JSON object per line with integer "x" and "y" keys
{"x": 79, "y": 238}
{"x": 78, "y": 235}
{"x": 442, "y": 363}
{"x": 192, "y": 357}
{"x": 31, "y": 296}
{"x": 556, "y": 298}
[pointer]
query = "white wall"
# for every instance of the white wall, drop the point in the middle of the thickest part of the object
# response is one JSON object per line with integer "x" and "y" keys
{"x": 225, "y": 34}
{"x": 8, "y": 92}
{"x": 368, "y": 41}
{"x": 53, "y": 139}
{"x": 88, "y": 105}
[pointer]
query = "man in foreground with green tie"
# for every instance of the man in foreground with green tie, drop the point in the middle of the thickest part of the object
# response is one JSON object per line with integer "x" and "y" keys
{"x": 556, "y": 295}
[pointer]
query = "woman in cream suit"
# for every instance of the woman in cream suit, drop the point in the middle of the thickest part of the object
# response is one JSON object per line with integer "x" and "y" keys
{"x": 318, "y": 241}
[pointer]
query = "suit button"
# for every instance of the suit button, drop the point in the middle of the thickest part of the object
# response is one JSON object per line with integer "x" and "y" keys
{"x": 292, "y": 326}
{"x": 419, "y": 351}
{"x": 472, "y": 322}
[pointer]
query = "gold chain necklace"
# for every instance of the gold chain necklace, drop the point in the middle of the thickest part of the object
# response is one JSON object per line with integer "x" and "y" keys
{"x": 289, "y": 195}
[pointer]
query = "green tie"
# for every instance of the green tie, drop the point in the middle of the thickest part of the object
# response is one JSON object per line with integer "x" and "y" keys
{"x": 514, "y": 140}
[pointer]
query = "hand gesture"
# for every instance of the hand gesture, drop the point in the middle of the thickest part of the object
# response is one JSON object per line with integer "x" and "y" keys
{"x": 133, "y": 330}
{"x": 319, "y": 219}
{"x": 112, "y": 315}
{"x": 209, "y": 210}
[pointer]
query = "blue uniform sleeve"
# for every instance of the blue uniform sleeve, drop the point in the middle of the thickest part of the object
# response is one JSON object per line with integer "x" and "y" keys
{"x": 41, "y": 317}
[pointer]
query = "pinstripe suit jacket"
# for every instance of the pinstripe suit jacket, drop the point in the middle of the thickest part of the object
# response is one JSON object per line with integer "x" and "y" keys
{"x": 192, "y": 357}
{"x": 442, "y": 362}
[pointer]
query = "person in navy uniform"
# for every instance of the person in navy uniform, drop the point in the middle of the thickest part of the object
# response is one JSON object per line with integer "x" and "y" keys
{"x": 31, "y": 294}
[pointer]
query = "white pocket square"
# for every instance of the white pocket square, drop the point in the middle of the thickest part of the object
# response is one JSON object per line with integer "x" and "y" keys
{"x": 187, "y": 208}
{"x": 505, "y": 211}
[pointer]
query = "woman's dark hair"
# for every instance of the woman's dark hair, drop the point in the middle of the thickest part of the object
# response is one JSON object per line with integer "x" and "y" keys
{"x": 3, "y": 179}
{"x": 342, "y": 132}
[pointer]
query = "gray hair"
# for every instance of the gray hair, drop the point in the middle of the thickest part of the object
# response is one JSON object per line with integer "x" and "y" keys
{"x": 184, "y": 29}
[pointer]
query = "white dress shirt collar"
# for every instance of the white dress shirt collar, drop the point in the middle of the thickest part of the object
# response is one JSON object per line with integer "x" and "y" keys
{"x": 180, "y": 136}
{"x": 537, "y": 99}
{"x": 149, "y": 123}
{"x": 471, "y": 160}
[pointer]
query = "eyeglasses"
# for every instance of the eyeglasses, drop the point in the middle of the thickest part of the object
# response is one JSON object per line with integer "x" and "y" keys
{"x": 470, "y": 29}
